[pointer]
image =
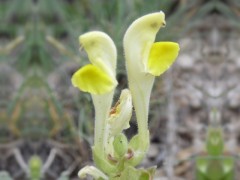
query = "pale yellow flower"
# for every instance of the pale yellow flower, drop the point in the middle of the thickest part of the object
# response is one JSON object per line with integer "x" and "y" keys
{"x": 98, "y": 79}
{"x": 145, "y": 59}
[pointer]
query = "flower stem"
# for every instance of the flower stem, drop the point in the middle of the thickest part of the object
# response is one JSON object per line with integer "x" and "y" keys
{"x": 102, "y": 104}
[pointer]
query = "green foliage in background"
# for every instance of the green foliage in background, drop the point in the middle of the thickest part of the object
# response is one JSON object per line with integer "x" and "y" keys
{"x": 215, "y": 166}
{"x": 35, "y": 166}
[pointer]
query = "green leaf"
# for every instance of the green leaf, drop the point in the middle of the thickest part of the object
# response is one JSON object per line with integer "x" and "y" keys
{"x": 139, "y": 148}
{"x": 132, "y": 173}
{"x": 35, "y": 165}
{"x": 215, "y": 168}
{"x": 202, "y": 164}
{"x": 228, "y": 168}
{"x": 102, "y": 163}
{"x": 148, "y": 173}
{"x": 215, "y": 144}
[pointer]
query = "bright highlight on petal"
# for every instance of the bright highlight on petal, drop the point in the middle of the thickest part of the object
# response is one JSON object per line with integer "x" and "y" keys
{"x": 161, "y": 57}
{"x": 92, "y": 79}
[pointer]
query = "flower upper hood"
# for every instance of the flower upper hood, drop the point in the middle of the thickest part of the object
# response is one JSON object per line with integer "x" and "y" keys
{"x": 145, "y": 60}
{"x": 98, "y": 77}
{"x": 140, "y": 49}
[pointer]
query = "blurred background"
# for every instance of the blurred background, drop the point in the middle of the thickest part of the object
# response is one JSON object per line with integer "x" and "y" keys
{"x": 42, "y": 117}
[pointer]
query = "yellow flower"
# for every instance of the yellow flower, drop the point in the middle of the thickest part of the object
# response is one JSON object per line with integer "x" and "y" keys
{"x": 92, "y": 79}
{"x": 161, "y": 57}
{"x": 145, "y": 60}
{"x": 98, "y": 78}
{"x": 140, "y": 49}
